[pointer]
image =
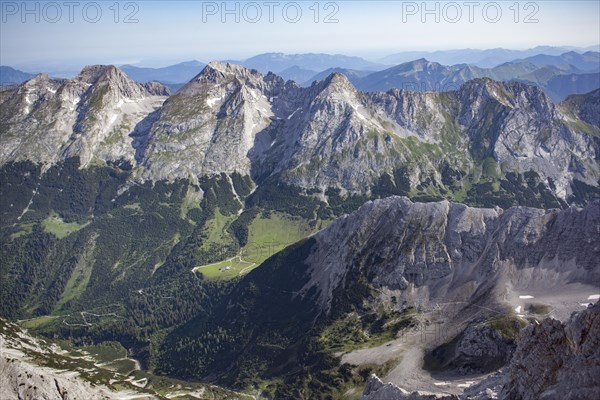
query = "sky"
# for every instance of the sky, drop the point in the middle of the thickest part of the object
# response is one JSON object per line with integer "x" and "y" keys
{"x": 70, "y": 33}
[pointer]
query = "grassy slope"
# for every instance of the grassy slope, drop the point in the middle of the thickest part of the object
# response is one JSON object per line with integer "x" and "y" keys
{"x": 56, "y": 226}
{"x": 266, "y": 236}
{"x": 79, "y": 278}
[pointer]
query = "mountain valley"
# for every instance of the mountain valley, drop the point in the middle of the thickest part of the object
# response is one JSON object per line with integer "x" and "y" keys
{"x": 263, "y": 239}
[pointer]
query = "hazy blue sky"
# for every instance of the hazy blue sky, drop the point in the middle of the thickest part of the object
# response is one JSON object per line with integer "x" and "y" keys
{"x": 167, "y": 32}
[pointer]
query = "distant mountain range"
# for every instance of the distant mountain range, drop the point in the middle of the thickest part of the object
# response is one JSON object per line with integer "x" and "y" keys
{"x": 482, "y": 58}
{"x": 276, "y": 62}
{"x": 588, "y": 61}
{"x": 177, "y": 73}
{"x": 11, "y": 76}
{"x": 560, "y": 71}
{"x": 559, "y": 75}
{"x": 558, "y": 80}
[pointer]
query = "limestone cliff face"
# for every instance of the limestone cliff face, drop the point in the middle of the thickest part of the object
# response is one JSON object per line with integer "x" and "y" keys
{"x": 377, "y": 390}
{"x": 557, "y": 360}
{"x": 210, "y": 125}
{"x": 584, "y": 107}
{"x": 553, "y": 360}
{"x": 20, "y": 379}
{"x": 46, "y": 120}
{"x": 447, "y": 250}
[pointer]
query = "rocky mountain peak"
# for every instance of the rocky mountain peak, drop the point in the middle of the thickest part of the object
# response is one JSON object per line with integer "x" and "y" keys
{"x": 336, "y": 87}
{"x": 511, "y": 94}
{"x": 39, "y": 87}
{"x": 224, "y": 67}
{"x": 95, "y": 73}
{"x": 484, "y": 89}
{"x": 424, "y": 64}
{"x": 37, "y": 80}
{"x": 584, "y": 107}
{"x": 217, "y": 73}
{"x": 218, "y": 70}
{"x": 337, "y": 80}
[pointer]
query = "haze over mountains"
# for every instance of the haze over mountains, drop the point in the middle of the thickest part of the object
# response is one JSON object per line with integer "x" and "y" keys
{"x": 288, "y": 241}
{"x": 177, "y": 73}
{"x": 560, "y": 71}
{"x": 482, "y": 58}
{"x": 11, "y": 76}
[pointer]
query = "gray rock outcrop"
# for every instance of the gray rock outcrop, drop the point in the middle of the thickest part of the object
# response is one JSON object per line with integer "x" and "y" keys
{"x": 377, "y": 390}
{"x": 553, "y": 360}
{"x": 556, "y": 360}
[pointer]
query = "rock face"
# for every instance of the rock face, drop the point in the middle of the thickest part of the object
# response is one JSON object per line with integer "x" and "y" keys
{"x": 210, "y": 125}
{"x": 557, "y": 360}
{"x": 21, "y": 377}
{"x": 329, "y": 135}
{"x": 450, "y": 251}
{"x": 46, "y": 120}
{"x": 553, "y": 360}
{"x": 585, "y": 107}
{"x": 478, "y": 349}
{"x": 22, "y": 380}
{"x": 377, "y": 390}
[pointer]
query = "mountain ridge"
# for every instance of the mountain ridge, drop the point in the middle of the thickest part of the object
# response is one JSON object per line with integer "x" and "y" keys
{"x": 232, "y": 119}
{"x": 393, "y": 254}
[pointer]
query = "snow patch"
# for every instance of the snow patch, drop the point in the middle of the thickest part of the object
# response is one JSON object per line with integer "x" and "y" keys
{"x": 211, "y": 102}
{"x": 526, "y": 296}
{"x": 594, "y": 297}
{"x": 292, "y": 114}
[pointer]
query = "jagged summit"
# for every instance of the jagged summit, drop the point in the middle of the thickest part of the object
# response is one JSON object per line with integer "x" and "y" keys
{"x": 335, "y": 78}
{"x": 217, "y": 69}
{"x": 116, "y": 80}
{"x": 220, "y": 73}
{"x": 338, "y": 79}
{"x": 95, "y": 72}
{"x": 336, "y": 85}
{"x": 39, "y": 78}
{"x": 226, "y": 67}
{"x": 89, "y": 116}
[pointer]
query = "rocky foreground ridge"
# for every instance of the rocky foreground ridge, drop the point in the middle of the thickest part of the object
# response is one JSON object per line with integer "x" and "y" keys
{"x": 553, "y": 360}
